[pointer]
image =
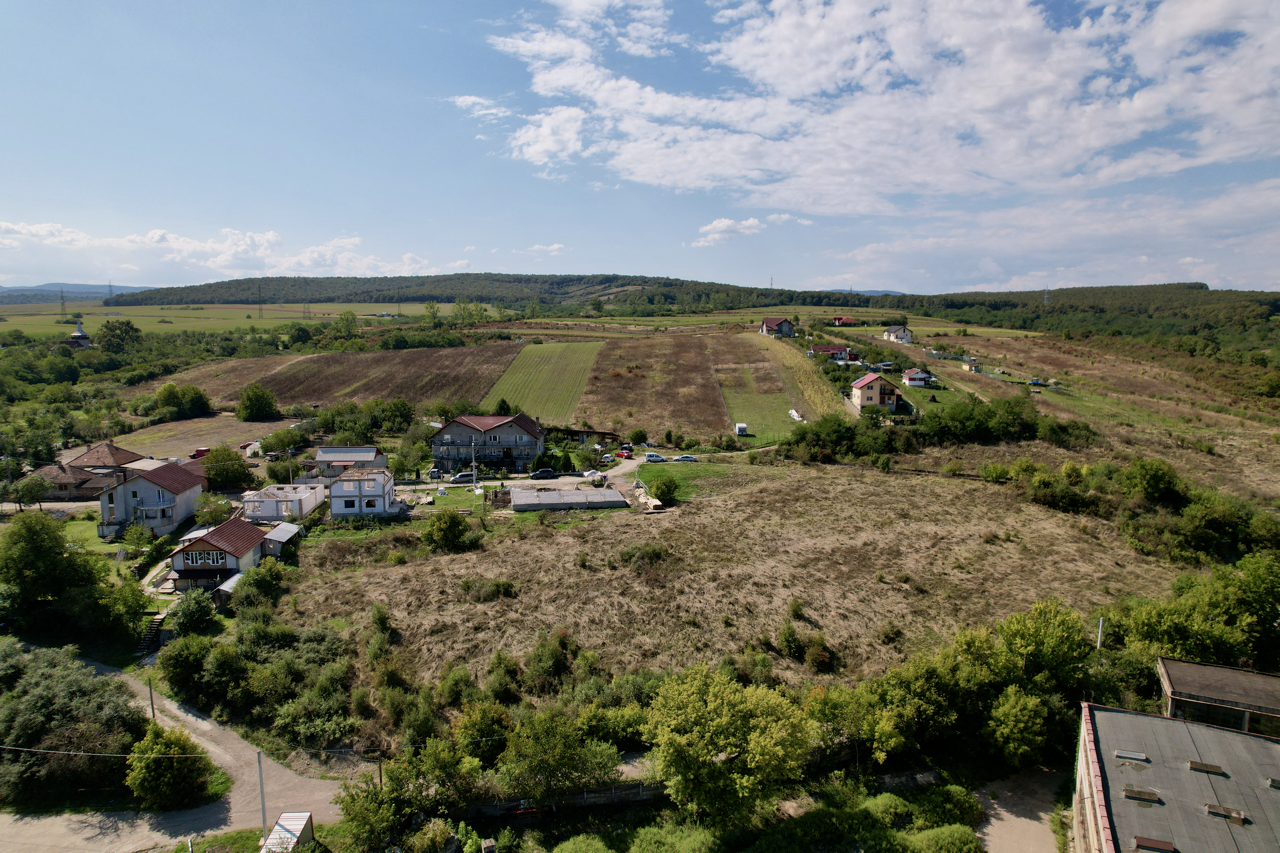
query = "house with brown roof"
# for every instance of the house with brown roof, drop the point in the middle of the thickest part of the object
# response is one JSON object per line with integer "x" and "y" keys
{"x": 874, "y": 390}
{"x": 845, "y": 321}
{"x": 509, "y": 442}
{"x": 105, "y": 458}
{"x": 159, "y": 499}
{"x": 69, "y": 483}
{"x": 897, "y": 334}
{"x": 778, "y": 326}
{"x": 917, "y": 378}
{"x": 215, "y": 555}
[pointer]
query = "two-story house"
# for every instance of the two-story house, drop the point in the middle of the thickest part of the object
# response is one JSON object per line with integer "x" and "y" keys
{"x": 779, "y": 326}
{"x": 282, "y": 501}
{"x": 159, "y": 499}
{"x": 369, "y": 491}
{"x": 508, "y": 442}
{"x": 216, "y": 555}
{"x": 332, "y": 461}
{"x": 898, "y": 334}
{"x": 874, "y": 390}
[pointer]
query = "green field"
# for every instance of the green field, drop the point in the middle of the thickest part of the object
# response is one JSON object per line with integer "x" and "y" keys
{"x": 764, "y": 412}
{"x": 42, "y": 319}
{"x": 701, "y": 480}
{"x": 546, "y": 380}
{"x": 918, "y": 397}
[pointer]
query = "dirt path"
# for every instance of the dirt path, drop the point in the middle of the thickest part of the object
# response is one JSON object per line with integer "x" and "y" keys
{"x": 1019, "y": 809}
{"x": 128, "y": 832}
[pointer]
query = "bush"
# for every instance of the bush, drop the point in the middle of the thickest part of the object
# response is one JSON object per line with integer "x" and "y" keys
{"x": 257, "y": 404}
{"x": 891, "y": 811}
{"x": 638, "y": 436}
{"x": 182, "y": 665}
{"x": 162, "y": 781}
{"x": 994, "y": 472}
{"x": 943, "y": 806}
{"x": 446, "y": 531}
{"x": 664, "y": 488}
{"x": 582, "y": 844}
{"x": 945, "y": 839}
{"x": 671, "y": 838}
{"x": 789, "y": 642}
{"x": 193, "y": 614}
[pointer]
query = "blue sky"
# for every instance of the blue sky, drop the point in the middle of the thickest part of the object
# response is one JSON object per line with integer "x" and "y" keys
{"x": 923, "y": 146}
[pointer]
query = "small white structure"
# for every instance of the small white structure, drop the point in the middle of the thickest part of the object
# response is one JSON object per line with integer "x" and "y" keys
{"x": 740, "y": 429}
{"x": 276, "y": 503}
{"x": 369, "y": 491}
{"x": 292, "y": 830}
{"x": 917, "y": 378}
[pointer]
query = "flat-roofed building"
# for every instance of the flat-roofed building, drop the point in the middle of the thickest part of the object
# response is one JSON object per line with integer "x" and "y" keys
{"x": 1221, "y": 696}
{"x": 1145, "y": 782}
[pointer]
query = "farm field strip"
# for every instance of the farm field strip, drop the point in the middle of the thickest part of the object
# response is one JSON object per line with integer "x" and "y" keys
{"x": 546, "y": 380}
{"x": 752, "y": 387}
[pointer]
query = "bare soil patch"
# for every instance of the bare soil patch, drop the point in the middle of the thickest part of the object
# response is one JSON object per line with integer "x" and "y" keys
{"x": 861, "y": 549}
{"x": 656, "y": 383}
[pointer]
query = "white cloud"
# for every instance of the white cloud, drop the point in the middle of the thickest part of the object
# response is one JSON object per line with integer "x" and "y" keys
{"x": 722, "y": 229}
{"x": 469, "y": 249}
{"x": 554, "y": 134}
{"x": 553, "y": 249}
{"x": 779, "y": 218}
{"x": 480, "y": 108}
{"x": 161, "y": 257}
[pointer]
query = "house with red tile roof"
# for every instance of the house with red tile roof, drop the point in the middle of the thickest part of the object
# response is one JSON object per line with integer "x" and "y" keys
{"x": 158, "y": 498}
{"x": 837, "y": 352}
{"x": 215, "y": 555}
{"x": 873, "y": 390}
{"x": 917, "y": 378}
{"x": 509, "y": 442}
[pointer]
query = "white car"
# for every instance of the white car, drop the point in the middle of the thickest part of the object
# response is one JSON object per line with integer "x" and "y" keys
{"x": 654, "y": 457}
{"x": 608, "y": 457}
{"x": 685, "y": 458}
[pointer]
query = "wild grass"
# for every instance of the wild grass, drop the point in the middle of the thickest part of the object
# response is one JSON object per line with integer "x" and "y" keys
{"x": 546, "y": 380}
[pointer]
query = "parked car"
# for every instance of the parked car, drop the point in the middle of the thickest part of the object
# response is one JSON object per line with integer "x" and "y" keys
{"x": 624, "y": 454}
{"x": 654, "y": 457}
{"x": 544, "y": 474}
{"x": 626, "y": 447}
{"x": 434, "y": 474}
{"x": 607, "y": 458}
{"x": 686, "y": 458}
{"x": 464, "y": 477}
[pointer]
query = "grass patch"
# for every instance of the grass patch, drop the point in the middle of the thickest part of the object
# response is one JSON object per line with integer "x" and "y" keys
{"x": 546, "y": 380}
{"x": 705, "y": 479}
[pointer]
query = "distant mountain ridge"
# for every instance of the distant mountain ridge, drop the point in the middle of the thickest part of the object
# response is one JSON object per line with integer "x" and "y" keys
{"x": 866, "y": 292}
{"x": 53, "y": 291}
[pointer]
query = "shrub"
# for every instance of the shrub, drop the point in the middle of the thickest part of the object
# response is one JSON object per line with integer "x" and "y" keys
{"x": 671, "y": 838}
{"x": 182, "y": 664}
{"x": 582, "y": 844}
{"x": 664, "y": 488}
{"x": 446, "y": 531}
{"x": 943, "y": 806}
{"x": 890, "y": 810}
{"x": 789, "y": 641}
{"x": 432, "y": 838}
{"x": 945, "y": 839}
{"x": 816, "y": 654}
{"x": 193, "y": 614}
{"x": 952, "y": 468}
{"x": 257, "y": 404}
{"x": 638, "y": 436}
{"x": 994, "y": 472}
{"x": 162, "y": 781}
{"x": 795, "y": 608}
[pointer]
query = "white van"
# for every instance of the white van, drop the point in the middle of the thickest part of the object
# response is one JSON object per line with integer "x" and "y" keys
{"x": 654, "y": 457}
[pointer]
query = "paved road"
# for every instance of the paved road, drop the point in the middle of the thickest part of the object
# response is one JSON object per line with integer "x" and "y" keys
{"x": 129, "y": 832}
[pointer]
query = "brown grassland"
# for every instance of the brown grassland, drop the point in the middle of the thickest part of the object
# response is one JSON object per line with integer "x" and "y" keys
{"x": 419, "y": 375}
{"x": 859, "y": 548}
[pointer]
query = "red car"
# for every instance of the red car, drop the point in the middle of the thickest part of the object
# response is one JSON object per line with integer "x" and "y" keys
{"x": 623, "y": 454}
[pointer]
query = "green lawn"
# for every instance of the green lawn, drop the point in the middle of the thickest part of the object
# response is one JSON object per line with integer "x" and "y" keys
{"x": 918, "y": 397}
{"x": 765, "y": 414}
{"x": 86, "y": 532}
{"x": 707, "y": 479}
{"x": 546, "y": 380}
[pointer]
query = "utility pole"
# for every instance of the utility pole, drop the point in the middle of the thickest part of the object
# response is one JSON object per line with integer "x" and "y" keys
{"x": 151, "y": 694}
{"x": 111, "y": 293}
{"x": 1046, "y": 293}
{"x": 262, "y": 799}
{"x": 62, "y": 299}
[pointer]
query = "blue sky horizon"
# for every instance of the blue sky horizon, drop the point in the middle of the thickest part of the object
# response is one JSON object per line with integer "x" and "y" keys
{"x": 921, "y": 146}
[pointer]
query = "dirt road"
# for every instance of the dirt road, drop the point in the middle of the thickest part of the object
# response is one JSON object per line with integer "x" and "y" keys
{"x": 1018, "y": 812}
{"x": 128, "y": 832}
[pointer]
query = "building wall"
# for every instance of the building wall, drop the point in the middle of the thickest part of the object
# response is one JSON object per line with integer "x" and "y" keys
{"x": 370, "y": 497}
{"x": 455, "y": 454}
{"x": 160, "y": 520}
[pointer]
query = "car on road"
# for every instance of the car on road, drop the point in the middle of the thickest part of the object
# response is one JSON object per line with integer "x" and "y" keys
{"x": 544, "y": 474}
{"x": 464, "y": 477}
{"x": 685, "y": 458}
{"x": 624, "y": 454}
{"x": 654, "y": 457}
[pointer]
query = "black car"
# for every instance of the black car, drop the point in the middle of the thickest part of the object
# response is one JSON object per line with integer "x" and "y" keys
{"x": 544, "y": 474}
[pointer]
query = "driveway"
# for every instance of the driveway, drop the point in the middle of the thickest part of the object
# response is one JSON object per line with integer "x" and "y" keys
{"x": 128, "y": 832}
{"x": 1018, "y": 812}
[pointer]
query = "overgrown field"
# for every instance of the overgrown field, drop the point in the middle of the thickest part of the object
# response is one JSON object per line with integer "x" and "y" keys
{"x": 181, "y": 437}
{"x": 419, "y": 375}
{"x": 868, "y": 554}
{"x": 655, "y": 382}
{"x": 546, "y": 380}
{"x": 752, "y": 386}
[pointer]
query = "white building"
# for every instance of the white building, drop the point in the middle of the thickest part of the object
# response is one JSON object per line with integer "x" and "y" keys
{"x": 159, "y": 499}
{"x": 216, "y": 555}
{"x": 369, "y": 491}
{"x": 276, "y": 503}
{"x": 898, "y": 334}
{"x": 332, "y": 461}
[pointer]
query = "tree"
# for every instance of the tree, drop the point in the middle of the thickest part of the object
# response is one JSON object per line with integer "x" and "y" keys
{"x": 182, "y": 665}
{"x": 345, "y": 327}
{"x": 432, "y": 317}
{"x": 260, "y": 585}
{"x": 257, "y": 404}
{"x": 481, "y": 731}
{"x": 546, "y": 756}
{"x": 193, "y": 614}
{"x": 721, "y": 748}
{"x": 226, "y": 470}
{"x": 1048, "y": 639}
{"x": 638, "y": 436}
{"x": 446, "y": 531}
{"x": 664, "y": 488}
{"x": 34, "y": 560}
{"x": 168, "y": 770}
{"x": 31, "y": 490}
{"x": 1017, "y": 726}
{"x": 116, "y": 336}
{"x": 503, "y": 408}
{"x": 212, "y": 510}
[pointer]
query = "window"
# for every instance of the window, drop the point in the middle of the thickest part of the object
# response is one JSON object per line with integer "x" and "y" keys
{"x": 493, "y": 437}
{"x": 134, "y": 494}
{"x": 371, "y": 484}
{"x": 370, "y": 504}
{"x": 213, "y": 558}
{"x": 349, "y": 504}
{"x": 521, "y": 438}
{"x": 111, "y": 498}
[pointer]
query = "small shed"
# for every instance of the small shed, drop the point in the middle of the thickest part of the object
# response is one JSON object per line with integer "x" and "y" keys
{"x": 279, "y": 537}
{"x": 291, "y": 831}
{"x": 528, "y": 500}
{"x": 222, "y": 595}
{"x": 740, "y": 429}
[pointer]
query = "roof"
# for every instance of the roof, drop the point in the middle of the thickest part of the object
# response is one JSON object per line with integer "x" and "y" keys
{"x": 895, "y": 329}
{"x": 105, "y": 455}
{"x": 525, "y": 500}
{"x": 229, "y": 585}
{"x": 1156, "y": 754}
{"x": 146, "y": 464}
{"x": 828, "y": 348}
{"x": 915, "y": 371}
{"x": 346, "y": 455}
{"x": 237, "y": 537}
{"x": 290, "y": 830}
{"x": 172, "y": 478}
{"x": 872, "y": 377}
{"x": 63, "y": 474}
{"x": 282, "y": 532}
{"x": 772, "y": 322}
{"x": 1240, "y": 688}
{"x": 365, "y": 474}
{"x": 484, "y": 423}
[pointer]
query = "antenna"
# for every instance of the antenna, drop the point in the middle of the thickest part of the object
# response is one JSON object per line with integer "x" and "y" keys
{"x": 111, "y": 293}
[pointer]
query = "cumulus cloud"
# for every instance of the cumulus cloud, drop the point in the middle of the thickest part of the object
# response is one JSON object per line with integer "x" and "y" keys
{"x": 722, "y": 229}
{"x": 458, "y": 265}
{"x": 162, "y": 257}
{"x": 553, "y": 249}
{"x": 480, "y": 108}
{"x": 554, "y": 134}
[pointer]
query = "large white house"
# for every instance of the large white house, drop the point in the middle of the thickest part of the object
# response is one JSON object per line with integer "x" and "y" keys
{"x": 332, "y": 461}
{"x": 279, "y": 502}
{"x": 898, "y": 334}
{"x": 159, "y": 499}
{"x": 369, "y": 491}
